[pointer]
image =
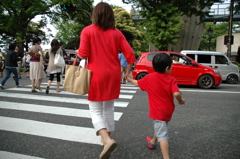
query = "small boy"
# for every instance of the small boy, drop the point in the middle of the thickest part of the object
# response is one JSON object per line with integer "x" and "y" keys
{"x": 161, "y": 87}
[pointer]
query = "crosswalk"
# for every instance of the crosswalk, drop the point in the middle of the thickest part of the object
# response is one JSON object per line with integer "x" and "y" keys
{"x": 42, "y": 103}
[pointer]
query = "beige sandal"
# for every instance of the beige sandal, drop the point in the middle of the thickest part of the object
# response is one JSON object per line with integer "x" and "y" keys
{"x": 108, "y": 149}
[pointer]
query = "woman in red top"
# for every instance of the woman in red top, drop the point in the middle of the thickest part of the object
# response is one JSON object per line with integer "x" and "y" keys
{"x": 100, "y": 44}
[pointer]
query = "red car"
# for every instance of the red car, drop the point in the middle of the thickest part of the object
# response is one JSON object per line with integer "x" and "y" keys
{"x": 189, "y": 72}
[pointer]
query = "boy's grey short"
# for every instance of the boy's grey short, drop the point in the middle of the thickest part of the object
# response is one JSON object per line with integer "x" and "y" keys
{"x": 161, "y": 130}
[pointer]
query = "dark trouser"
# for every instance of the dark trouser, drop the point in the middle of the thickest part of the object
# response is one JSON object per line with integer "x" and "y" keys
{"x": 10, "y": 70}
{"x": 52, "y": 77}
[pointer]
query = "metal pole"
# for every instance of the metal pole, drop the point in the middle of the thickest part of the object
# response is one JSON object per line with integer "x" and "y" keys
{"x": 230, "y": 29}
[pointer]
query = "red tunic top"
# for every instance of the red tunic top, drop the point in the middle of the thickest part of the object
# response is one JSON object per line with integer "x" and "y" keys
{"x": 160, "y": 88}
{"x": 101, "y": 48}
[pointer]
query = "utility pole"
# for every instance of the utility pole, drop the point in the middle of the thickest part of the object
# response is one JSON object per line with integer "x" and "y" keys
{"x": 229, "y": 45}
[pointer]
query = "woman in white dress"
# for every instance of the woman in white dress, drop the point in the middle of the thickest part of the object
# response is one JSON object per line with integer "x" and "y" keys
{"x": 53, "y": 69}
{"x": 36, "y": 65}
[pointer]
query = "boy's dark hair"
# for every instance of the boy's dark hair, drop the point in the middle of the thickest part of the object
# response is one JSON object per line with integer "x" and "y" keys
{"x": 161, "y": 61}
{"x": 12, "y": 46}
{"x": 60, "y": 43}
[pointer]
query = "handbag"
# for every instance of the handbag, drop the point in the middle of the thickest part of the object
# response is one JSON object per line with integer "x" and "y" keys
{"x": 35, "y": 55}
{"x": 77, "y": 79}
{"x": 59, "y": 60}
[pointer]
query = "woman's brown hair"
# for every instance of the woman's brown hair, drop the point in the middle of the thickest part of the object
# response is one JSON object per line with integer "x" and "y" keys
{"x": 54, "y": 45}
{"x": 103, "y": 16}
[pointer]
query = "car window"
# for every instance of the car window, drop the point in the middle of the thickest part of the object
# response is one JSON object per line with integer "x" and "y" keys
{"x": 183, "y": 59}
{"x": 150, "y": 56}
{"x": 192, "y": 56}
{"x": 204, "y": 59}
{"x": 220, "y": 60}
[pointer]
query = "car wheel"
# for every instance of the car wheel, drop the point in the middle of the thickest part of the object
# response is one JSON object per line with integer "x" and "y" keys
{"x": 232, "y": 79}
{"x": 141, "y": 75}
{"x": 205, "y": 81}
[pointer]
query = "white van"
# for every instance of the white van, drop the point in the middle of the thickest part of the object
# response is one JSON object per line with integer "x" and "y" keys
{"x": 217, "y": 60}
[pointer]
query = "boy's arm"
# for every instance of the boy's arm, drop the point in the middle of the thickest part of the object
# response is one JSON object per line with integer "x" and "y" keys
{"x": 178, "y": 96}
{"x": 129, "y": 79}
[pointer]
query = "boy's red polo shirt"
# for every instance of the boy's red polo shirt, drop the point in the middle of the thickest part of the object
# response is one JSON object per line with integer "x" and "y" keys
{"x": 160, "y": 88}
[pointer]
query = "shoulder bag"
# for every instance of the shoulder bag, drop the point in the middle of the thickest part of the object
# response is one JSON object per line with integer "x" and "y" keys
{"x": 59, "y": 60}
{"x": 35, "y": 55}
{"x": 77, "y": 79}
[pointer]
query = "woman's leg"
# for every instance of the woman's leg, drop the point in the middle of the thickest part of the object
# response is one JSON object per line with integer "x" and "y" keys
{"x": 50, "y": 79}
{"x": 58, "y": 82}
{"x": 39, "y": 83}
{"x": 96, "y": 110}
{"x": 108, "y": 115}
{"x": 49, "y": 82}
{"x": 33, "y": 85}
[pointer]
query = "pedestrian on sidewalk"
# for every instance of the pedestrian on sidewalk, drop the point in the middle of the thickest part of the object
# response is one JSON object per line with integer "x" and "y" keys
{"x": 100, "y": 44}
{"x": 161, "y": 89}
{"x": 11, "y": 65}
{"x": 36, "y": 65}
{"x": 51, "y": 68}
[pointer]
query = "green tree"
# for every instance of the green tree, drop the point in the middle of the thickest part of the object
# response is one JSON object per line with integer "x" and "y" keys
{"x": 16, "y": 16}
{"x": 162, "y": 25}
{"x": 125, "y": 24}
{"x": 70, "y": 23}
{"x": 162, "y": 17}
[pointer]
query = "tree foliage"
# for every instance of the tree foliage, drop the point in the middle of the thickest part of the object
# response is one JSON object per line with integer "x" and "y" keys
{"x": 162, "y": 25}
{"x": 125, "y": 24}
{"x": 17, "y": 15}
{"x": 162, "y": 17}
{"x": 71, "y": 22}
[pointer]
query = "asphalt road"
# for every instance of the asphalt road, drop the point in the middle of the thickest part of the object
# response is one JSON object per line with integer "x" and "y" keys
{"x": 57, "y": 126}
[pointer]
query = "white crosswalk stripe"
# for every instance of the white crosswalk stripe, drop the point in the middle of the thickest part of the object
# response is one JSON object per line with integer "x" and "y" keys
{"x": 81, "y": 134}
{"x": 51, "y": 110}
{"x": 10, "y": 155}
{"x": 64, "y": 92}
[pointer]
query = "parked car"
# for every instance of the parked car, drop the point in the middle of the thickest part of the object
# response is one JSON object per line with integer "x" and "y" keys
{"x": 217, "y": 60}
{"x": 188, "y": 73}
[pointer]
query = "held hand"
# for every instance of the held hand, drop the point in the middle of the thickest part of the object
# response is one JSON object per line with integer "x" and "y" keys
{"x": 182, "y": 101}
{"x": 128, "y": 77}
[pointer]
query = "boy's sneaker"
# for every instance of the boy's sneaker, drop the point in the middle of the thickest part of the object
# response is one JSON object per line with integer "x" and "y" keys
{"x": 1, "y": 86}
{"x": 150, "y": 145}
{"x": 18, "y": 86}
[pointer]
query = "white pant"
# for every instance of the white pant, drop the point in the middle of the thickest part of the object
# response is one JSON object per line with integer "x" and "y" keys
{"x": 102, "y": 114}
